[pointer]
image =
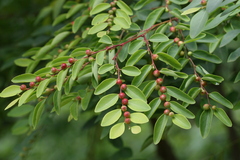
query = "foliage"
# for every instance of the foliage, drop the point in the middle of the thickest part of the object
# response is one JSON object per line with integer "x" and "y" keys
{"x": 131, "y": 63}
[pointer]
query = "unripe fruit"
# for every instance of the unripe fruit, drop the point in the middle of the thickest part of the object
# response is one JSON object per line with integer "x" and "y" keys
{"x": 124, "y": 101}
{"x": 166, "y": 104}
{"x": 71, "y": 60}
{"x": 90, "y": 59}
{"x": 119, "y": 82}
{"x": 180, "y": 43}
{"x": 181, "y": 53}
{"x": 157, "y": 87}
{"x": 123, "y": 87}
{"x": 166, "y": 112}
{"x": 110, "y": 24}
{"x": 214, "y": 107}
{"x": 31, "y": 84}
{"x": 38, "y": 79}
{"x": 197, "y": 79}
{"x": 159, "y": 81}
{"x": 63, "y": 65}
{"x": 163, "y": 89}
{"x": 127, "y": 120}
{"x": 122, "y": 95}
{"x": 203, "y": 2}
{"x": 203, "y": 92}
{"x": 156, "y": 73}
{"x": 23, "y": 87}
{"x": 168, "y": 2}
{"x": 203, "y": 83}
{"x": 114, "y": 9}
{"x": 206, "y": 106}
{"x": 171, "y": 114}
{"x": 110, "y": 12}
{"x": 176, "y": 40}
{"x": 163, "y": 97}
{"x": 172, "y": 29}
{"x": 88, "y": 52}
{"x": 126, "y": 114}
{"x": 189, "y": 53}
{"x": 113, "y": 4}
{"x": 60, "y": 50}
{"x": 124, "y": 108}
{"x": 54, "y": 70}
{"x": 155, "y": 57}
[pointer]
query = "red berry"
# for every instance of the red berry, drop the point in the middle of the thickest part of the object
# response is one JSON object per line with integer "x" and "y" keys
{"x": 38, "y": 79}
{"x": 155, "y": 57}
{"x": 123, "y": 87}
{"x": 124, "y": 108}
{"x": 23, "y": 87}
{"x": 203, "y": 2}
{"x": 159, "y": 81}
{"x": 166, "y": 111}
{"x": 127, "y": 120}
{"x": 125, "y": 101}
{"x": 119, "y": 82}
{"x": 31, "y": 84}
{"x": 163, "y": 89}
{"x": 63, "y": 65}
{"x": 78, "y": 98}
{"x": 72, "y": 23}
{"x": 176, "y": 40}
{"x": 206, "y": 106}
{"x": 163, "y": 97}
{"x": 166, "y": 104}
{"x": 156, "y": 73}
{"x": 121, "y": 95}
{"x": 126, "y": 114}
{"x": 71, "y": 60}
{"x": 172, "y": 29}
{"x": 88, "y": 52}
{"x": 54, "y": 70}
{"x": 180, "y": 43}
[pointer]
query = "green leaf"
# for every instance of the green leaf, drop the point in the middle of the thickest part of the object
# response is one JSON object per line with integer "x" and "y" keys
{"x": 105, "y": 39}
{"x": 121, "y": 13}
{"x": 59, "y": 19}
{"x": 131, "y": 71}
{"x": 111, "y": 117}
{"x": 124, "y": 7}
{"x": 229, "y": 36}
{"x": 141, "y": 3}
{"x": 99, "y": 8}
{"x": 78, "y": 22}
{"x": 61, "y": 78}
{"x": 212, "y": 5}
{"x": 105, "y": 68}
{"x": 203, "y": 55}
{"x": 205, "y": 122}
{"x": 135, "y": 57}
{"x": 154, "y": 104}
{"x": 120, "y": 21}
{"x": 159, "y": 128}
{"x": 12, "y": 103}
{"x": 136, "y": 129}
{"x": 106, "y": 102}
{"x": 144, "y": 72}
{"x": 169, "y": 60}
{"x": 100, "y": 57}
{"x": 59, "y": 60}
{"x": 59, "y": 38}
{"x": 134, "y": 46}
{"x": 74, "y": 110}
{"x": 237, "y": 79}
{"x": 134, "y": 92}
{"x": 198, "y": 23}
{"x": 100, "y": 18}
{"x": 117, "y": 130}
{"x": 161, "y": 47}
{"x": 139, "y": 118}
{"x": 216, "y": 21}
{"x": 138, "y": 105}
{"x": 98, "y": 27}
{"x": 153, "y": 17}
{"x": 178, "y": 94}
{"x": 42, "y": 86}
{"x": 169, "y": 72}
{"x": 57, "y": 101}
{"x": 25, "y": 96}
{"x": 38, "y": 110}
{"x": 20, "y": 111}
{"x": 23, "y": 62}
{"x": 149, "y": 88}
{"x": 177, "y": 13}
{"x": 20, "y": 127}
{"x": 234, "y": 55}
{"x": 74, "y": 9}
{"x": 223, "y": 117}
{"x": 76, "y": 67}
{"x": 180, "y": 2}
{"x": 24, "y": 78}
{"x": 10, "y": 91}
{"x": 158, "y": 37}
{"x": 191, "y": 10}
{"x": 176, "y": 107}
{"x": 212, "y": 78}
{"x": 181, "y": 121}
{"x": 105, "y": 85}
{"x": 217, "y": 97}
{"x": 123, "y": 53}
{"x": 86, "y": 99}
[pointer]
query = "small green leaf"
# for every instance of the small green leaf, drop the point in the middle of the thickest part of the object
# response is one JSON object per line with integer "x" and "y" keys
{"x": 74, "y": 9}
{"x": 121, "y": 13}
{"x": 38, "y": 110}
{"x": 159, "y": 128}
{"x": 217, "y": 97}
{"x": 177, "y": 13}
{"x": 198, "y": 23}
{"x": 42, "y": 86}
{"x": 98, "y": 27}
{"x": 124, "y": 7}
{"x": 23, "y": 62}
{"x": 105, "y": 85}
{"x": 117, "y": 130}
{"x": 86, "y": 99}
{"x": 134, "y": 92}
{"x": 100, "y": 57}
{"x": 205, "y": 122}
{"x": 59, "y": 19}
{"x": 149, "y": 88}
{"x": 212, "y": 78}
{"x": 57, "y": 101}
{"x": 111, "y": 117}
{"x": 24, "y": 78}
{"x": 178, "y": 94}
{"x": 12, "y": 103}
{"x": 153, "y": 17}
{"x": 223, "y": 117}
{"x": 74, "y": 110}
{"x": 229, "y": 36}
{"x": 134, "y": 46}
{"x": 144, "y": 72}
{"x": 138, "y": 105}
{"x": 20, "y": 111}
{"x": 78, "y": 22}
{"x": 59, "y": 38}
{"x": 237, "y": 79}
{"x": 158, "y": 37}
{"x": 141, "y": 3}
{"x": 105, "y": 68}
{"x": 136, "y": 129}
{"x": 120, "y": 21}
{"x": 105, "y": 39}
{"x": 169, "y": 72}
{"x": 181, "y": 121}
{"x": 169, "y": 60}
{"x": 123, "y": 53}
{"x": 178, "y": 108}
{"x": 106, "y": 102}
{"x": 10, "y": 91}
{"x": 191, "y": 10}
{"x": 212, "y": 5}
{"x": 61, "y": 78}
{"x": 76, "y": 67}
{"x": 203, "y": 55}
{"x": 131, "y": 71}
{"x": 139, "y": 118}
{"x": 234, "y": 55}
{"x": 161, "y": 47}
{"x": 25, "y": 96}
{"x": 99, "y": 8}
{"x": 180, "y": 2}
{"x": 154, "y": 104}
{"x": 100, "y": 18}
{"x": 135, "y": 57}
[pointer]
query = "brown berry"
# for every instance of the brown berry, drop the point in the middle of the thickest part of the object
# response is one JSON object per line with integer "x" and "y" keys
{"x": 78, "y": 98}
{"x": 38, "y": 79}
{"x": 156, "y": 73}
{"x": 163, "y": 97}
{"x": 197, "y": 79}
{"x": 123, "y": 87}
{"x": 126, "y": 114}
{"x": 166, "y": 104}
{"x": 119, "y": 82}
{"x": 122, "y": 95}
{"x": 31, "y": 84}
{"x": 124, "y": 101}
{"x": 124, "y": 108}
{"x": 127, "y": 120}
{"x": 166, "y": 111}
{"x": 163, "y": 89}
{"x": 23, "y": 87}
{"x": 159, "y": 81}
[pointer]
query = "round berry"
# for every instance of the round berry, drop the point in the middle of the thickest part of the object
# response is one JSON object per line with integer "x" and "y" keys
{"x": 163, "y": 97}
{"x": 171, "y": 114}
{"x": 124, "y": 101}
{"x": 172, "y": 29}
{"x": 127, "y": 120}
{"x": 119, "y": 82}
{"x": 71, "y": 60}
{"x": 78, "y": 98}
{"x": 122, "y": 95}
{"x": 110, "y": 12}
{"x": 60, "y": 50}
{"x": 23, "y": 87}
{"x": 114, "y": 9}
{"x": 166, "y": 111}
{"x": 206, "y": 106}
{"x": 156, "y": 73}
{"x": 189, "y": 53}
{"x": 157, "y": 87}
{"x": 166, "y": 104}
{"x": 88, "y": 52}
{"x": 203, "y": 2}
{"x": 176, "y": 40}
{"x": 38, "y": 79}
{"x": 113, "y": 4}
{"x": 124, "y": 108}
{"x": 63, "y": 65}
{"x": 31, "y": 84}
{"x": 90, "y": 59}
{"x": 155, "y": 57}
{"x": 163, "y": 89}
{"x": 123, "y": 87}
{"x": 214, "y": 107}
{"x": 159, "y": 81}
{"x": 197, "y": 79}
{"x": 54, "y": 70}
{"x": 126, "y": 114}
{"x": 180, "y": 43}
{"x": 203, "y": 83}
{"x": 181, "y": 53}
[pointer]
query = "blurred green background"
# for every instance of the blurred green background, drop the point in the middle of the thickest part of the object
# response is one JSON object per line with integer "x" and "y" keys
{"x": 60, "y": 140}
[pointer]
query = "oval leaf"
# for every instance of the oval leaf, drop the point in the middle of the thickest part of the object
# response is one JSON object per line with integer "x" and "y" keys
{"x": 97, "y": 28}
{"x": 25, "y": 96}
{"x": 181, "y": 121}
{"x": 138, "y": 105}
{"x": 131, "y": 71}
{"x": 105, "y": 85}
{"x": 144, "y": 72}
{"x": 222, "y": 116}
{"x": 135, "y": 57}
{"x": 117, "y": 130}
{"x": 38, "y": 110}
{"x": 169, "y": 60}
{"x": 10, "y": 91}
{"x": 99, "y": 8}
{"x": 124, "y": 7}
{"x": 120, "y": 21}
{"x": 205, "y": 122}
{"x": 134, "y": 92}
{"x": 106, "y": 102}
{"x": 61, "y": 78}
{"x": 203, "y": 55}
{"x": 111, "y": 117}
{"x": 176, "y": 107}
{"x": 158, "y": 37}
{"x": 23, "y": 78}
{"x": 198, "y": 23}
{"x": 159, "y": 128}
{"x": 139, "y": 118}
{"x": 178, "y": 94}
{"x": 42, "y": 86}
{"x": 217, "y": 97}
{"x": 136, "y": 129}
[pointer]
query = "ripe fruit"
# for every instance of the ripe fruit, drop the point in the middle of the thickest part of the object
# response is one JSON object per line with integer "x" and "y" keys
{"x": 172, "y": 29}
{"x": 124, "y": 101}
{"x": 119, "y": 82}
{"x": 203, "y": 2}
{"x": 206, "y": 106}
{"x": 71, "y": 60}
{"x": 155, "y": 57}
{"x": 122, "y": 95}
{"x": 123, "y": 87}
{"x": 180, "y": 43}
{"x": 63, "y": 65}
{"x": 159, "y": 81}
{"x": 163, "y": 97}
{"x": 38, "y": 79}
{"x": 88, "y": 52}
{"x": 124, "y": 108}
{"x": 78, "y": 98}
{"x": 156, "y": 73}
{"x": 126, "y": 114}
{"x": 54, "y": 70}
{"x": 31, "y": 84}
{"x": 23, "y": 87}
{"x": 176, "y": 40}
{"x": 166, "y": 111}
{"x": 163, "y": 89}
{"x": 166, "y": 104}
{"x": 127, "y": 120}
